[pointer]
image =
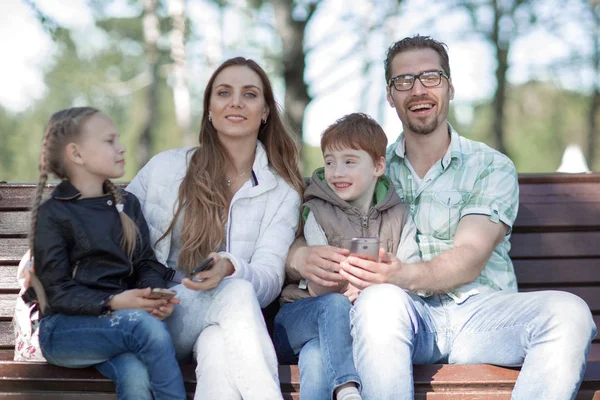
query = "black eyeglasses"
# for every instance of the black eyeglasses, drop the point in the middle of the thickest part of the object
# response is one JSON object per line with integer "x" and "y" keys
{"x": 427, "y": 78}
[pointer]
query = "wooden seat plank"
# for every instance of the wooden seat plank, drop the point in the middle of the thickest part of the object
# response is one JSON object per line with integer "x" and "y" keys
{"x": 555, "y": 245}
{"x": 557, "y": 216}
{"x": 11, "y": 250}
{"x": 534, "y": 273}
{"x": 14, "y": 224}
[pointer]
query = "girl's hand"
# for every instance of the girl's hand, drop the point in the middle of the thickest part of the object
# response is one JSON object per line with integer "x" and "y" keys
{"x": 220, "y": 268}
{"x": 136, "y": 298}
{"x": 166, "y": 310}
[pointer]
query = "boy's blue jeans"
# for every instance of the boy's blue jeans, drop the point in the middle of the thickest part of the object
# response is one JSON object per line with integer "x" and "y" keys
{"x": 547, "y": 332}
{"x": 131, "y": 347}
{"x": 323, "y": 322}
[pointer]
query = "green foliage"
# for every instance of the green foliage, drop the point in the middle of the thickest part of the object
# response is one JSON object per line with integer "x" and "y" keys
{"x": 104, "y": 79}
{"x": 541, "y": 121}
{"x": 312, "y": 158}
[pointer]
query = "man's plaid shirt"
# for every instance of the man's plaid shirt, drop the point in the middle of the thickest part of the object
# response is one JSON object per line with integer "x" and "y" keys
{"x": 471, "y": 178}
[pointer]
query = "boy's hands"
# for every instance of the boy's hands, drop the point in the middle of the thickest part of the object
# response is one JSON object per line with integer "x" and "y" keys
{"x": 320, "y": 264}
{"x": 351, "y": 292}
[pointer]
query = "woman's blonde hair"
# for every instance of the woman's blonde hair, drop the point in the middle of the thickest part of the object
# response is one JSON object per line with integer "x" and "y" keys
{"x": 65, "y": 127}
{"x": 203, "y": 194}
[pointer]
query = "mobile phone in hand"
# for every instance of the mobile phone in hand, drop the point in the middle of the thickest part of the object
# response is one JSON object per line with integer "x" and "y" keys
{"x": 365, "y": 248}
{"x": 160, "y": 293}
{"x": 203, "y": 266}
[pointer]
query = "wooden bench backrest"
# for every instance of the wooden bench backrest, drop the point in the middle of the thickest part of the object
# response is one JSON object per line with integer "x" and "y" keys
{"x": 555, "y": 240}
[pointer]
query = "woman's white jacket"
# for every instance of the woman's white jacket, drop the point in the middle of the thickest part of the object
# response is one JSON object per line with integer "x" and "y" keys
{"x": 262, "y": 222}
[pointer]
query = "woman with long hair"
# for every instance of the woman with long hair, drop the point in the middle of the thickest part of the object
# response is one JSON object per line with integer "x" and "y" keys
{"x": 234, "y": 198}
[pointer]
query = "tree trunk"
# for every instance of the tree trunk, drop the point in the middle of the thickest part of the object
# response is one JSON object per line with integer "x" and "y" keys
{"x": 595, "y": 97}
{"x": 501, "y": 69}
{"x": 291, "y": 32}
{"x": 181, "y": 91}
{"x": 151, "y": 35}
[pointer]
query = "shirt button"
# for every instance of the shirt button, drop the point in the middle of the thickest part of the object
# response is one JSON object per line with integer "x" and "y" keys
{"x": 410, "y": 177}
{"x": 109, "y": 202}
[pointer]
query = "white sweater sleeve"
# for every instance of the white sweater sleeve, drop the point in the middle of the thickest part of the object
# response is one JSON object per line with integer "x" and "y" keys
{"x": 266, "y": 269}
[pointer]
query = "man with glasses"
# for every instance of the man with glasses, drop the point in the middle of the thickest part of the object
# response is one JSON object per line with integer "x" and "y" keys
{"x": 463, "y": 197}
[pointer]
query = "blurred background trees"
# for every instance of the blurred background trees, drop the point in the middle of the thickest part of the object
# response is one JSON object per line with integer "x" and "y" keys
{"x": 146, "y": 62}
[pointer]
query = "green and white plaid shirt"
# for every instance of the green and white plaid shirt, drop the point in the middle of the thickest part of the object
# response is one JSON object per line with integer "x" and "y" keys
{"x": 471, "y": 178}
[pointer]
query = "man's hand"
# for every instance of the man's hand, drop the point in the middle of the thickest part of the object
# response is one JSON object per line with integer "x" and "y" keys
{"x": 221, "y": 267}
{"x": 363, "y": 273}
{"x": 475, "y": 239}
{"x": 136, "y": 298}
{"x": 319, "y": 264}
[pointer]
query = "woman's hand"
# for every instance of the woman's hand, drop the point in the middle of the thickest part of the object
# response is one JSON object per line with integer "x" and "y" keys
{"x": 166, "y": 310}
{"x": 221, "y": 267}
{"x": 136, "y": 298}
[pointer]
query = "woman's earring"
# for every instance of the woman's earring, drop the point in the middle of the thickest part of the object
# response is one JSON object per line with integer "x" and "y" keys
{"x": 264, "y": 121}
{"x": 209, "y": 118}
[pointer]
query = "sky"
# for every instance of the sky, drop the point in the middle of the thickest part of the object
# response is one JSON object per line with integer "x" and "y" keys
{"x": 27, "y": 49}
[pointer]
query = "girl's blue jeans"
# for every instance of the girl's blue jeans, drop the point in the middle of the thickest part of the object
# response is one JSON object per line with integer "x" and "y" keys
{"x": 130, "y": 346}
{"x": 317, "y": 322}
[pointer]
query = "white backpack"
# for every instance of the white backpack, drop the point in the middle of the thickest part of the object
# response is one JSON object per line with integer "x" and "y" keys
{"x": 26, "y": 321}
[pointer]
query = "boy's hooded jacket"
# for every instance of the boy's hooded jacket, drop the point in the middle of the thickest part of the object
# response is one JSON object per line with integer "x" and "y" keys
{"x": 340, "y": 220}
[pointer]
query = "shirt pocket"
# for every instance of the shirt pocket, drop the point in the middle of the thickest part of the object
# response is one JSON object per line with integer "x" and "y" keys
{"x": 444, "y": 213}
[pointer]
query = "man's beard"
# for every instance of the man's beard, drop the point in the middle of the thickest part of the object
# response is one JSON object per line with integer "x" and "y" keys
{"x": 423, "y": 129}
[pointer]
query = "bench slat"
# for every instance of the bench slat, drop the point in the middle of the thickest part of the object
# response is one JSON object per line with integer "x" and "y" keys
{"x": 17, "y": 196}
{"x": 11, "y": 250}
{"x": 35, "y": 395}
{"x": 8, "y": 279}
{"x": 555, "y": 245}
{"x": 14, "y": 224}
{"x": 557, "y": 216}
{"x": 485, "y": 380}
{"x": 533, "y": 273}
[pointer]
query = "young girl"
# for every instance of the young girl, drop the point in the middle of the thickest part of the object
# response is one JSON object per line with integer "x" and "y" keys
{"x": 94, "y": 267}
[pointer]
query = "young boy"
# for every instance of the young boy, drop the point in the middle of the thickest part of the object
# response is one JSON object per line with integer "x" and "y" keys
{"x": 349, "y": 197}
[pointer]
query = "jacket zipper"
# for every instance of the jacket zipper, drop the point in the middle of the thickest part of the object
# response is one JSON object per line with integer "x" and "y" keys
{"x": 75, "y": 269}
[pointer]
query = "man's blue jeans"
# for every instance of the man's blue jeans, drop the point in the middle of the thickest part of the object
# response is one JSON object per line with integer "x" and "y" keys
{"x": 322, "y": 321}
{"x": 131, "y": 347}
{"x": 547, "y": 332}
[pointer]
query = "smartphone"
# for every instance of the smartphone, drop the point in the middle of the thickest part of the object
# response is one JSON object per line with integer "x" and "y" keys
{"x": 204, "y": 265}
{"x": 367, "y": 248}
{"x": 160, "y": 293}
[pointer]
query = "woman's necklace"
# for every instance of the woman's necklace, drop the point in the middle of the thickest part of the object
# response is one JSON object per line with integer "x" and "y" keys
{"x": 230, "y": 181}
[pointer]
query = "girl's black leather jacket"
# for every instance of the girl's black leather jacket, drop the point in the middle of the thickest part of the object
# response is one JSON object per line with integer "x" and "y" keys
{"x": 78, "y": 256}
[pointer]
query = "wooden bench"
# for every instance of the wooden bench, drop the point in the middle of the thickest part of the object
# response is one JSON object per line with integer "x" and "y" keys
{"x": 555, "y": 245}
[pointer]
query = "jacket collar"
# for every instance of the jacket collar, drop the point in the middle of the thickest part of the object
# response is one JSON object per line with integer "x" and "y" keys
{"x": 383, "y": 197}
{"x": 65, "y": 191}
